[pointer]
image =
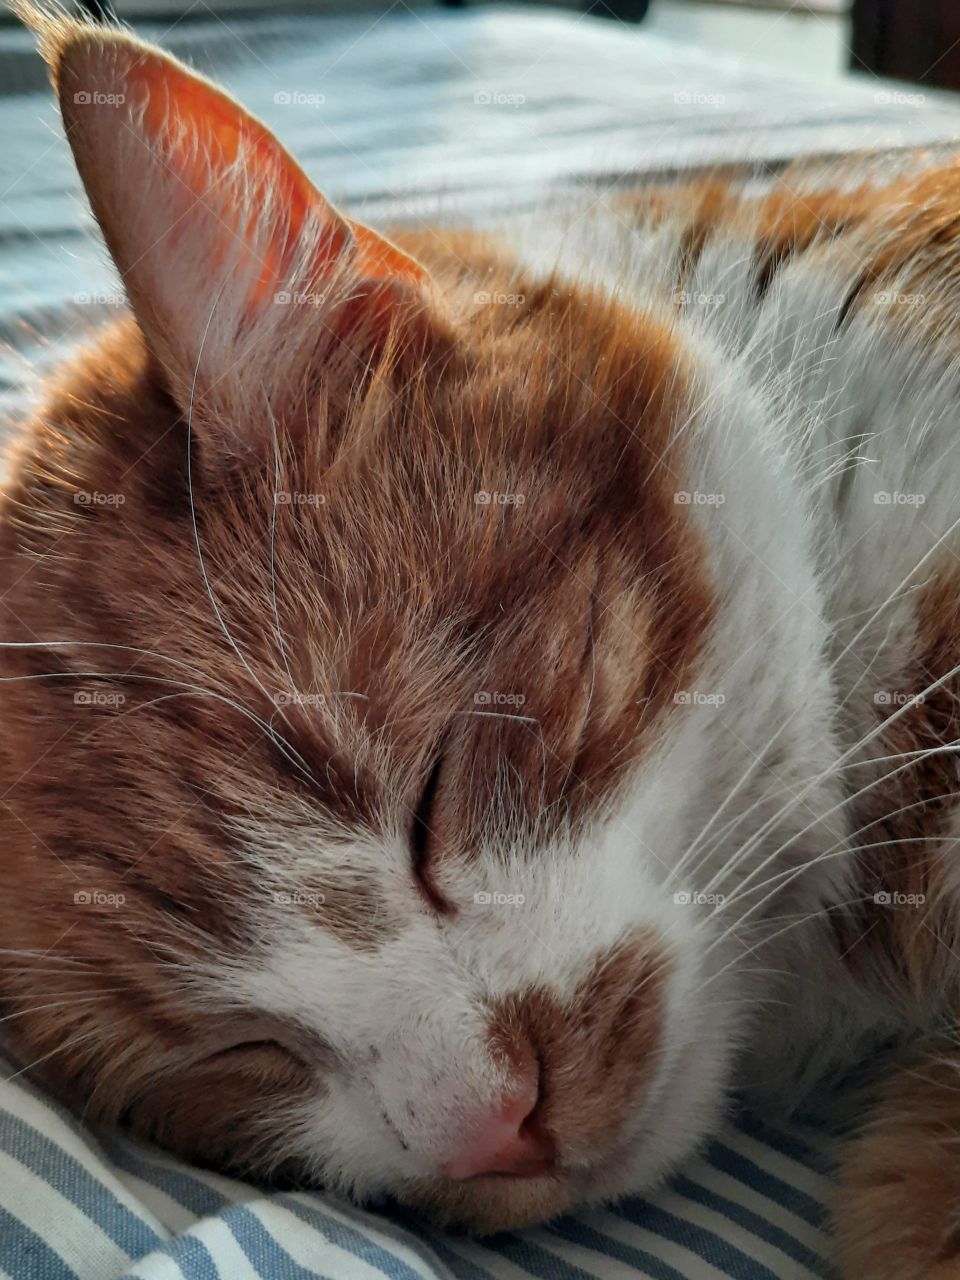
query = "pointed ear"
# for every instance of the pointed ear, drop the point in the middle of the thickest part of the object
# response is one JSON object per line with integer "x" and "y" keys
{"x": 243, "y": 278}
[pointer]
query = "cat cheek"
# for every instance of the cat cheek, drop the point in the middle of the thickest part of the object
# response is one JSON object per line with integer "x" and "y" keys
{"x": 229, "y": 1109}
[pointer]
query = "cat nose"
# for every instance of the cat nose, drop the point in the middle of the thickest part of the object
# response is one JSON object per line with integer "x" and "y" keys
{"x": 507, "y": 1140}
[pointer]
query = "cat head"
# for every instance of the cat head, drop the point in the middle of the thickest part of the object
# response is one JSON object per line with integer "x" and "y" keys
{"x": 350, "y": 758}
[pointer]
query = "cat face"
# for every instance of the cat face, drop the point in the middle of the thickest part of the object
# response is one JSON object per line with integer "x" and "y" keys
{"x": 348, "y": 763}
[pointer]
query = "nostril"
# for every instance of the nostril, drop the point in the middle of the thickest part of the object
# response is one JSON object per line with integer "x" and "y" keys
{"x": 521, "y": 1098}
{"x": 509, "y": 1139}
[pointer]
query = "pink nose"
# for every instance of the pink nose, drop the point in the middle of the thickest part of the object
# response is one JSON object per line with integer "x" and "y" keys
{"x": 506, "y": 1141}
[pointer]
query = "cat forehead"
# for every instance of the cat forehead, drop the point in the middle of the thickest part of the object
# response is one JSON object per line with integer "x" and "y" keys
{"x": 523, "y": 596}
{"x": 534, "y": 643}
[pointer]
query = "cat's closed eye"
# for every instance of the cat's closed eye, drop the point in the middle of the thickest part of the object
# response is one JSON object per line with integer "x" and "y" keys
{"x": 249, "y": 1049}
{"x": 258, "y": 1037}
{"x": 423, "y": 840}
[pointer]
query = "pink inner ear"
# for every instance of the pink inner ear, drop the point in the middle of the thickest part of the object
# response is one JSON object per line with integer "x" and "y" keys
{"x": 219, "y": 135}
{"x": 226, "y": 133}
{"x": 378, "y": 259}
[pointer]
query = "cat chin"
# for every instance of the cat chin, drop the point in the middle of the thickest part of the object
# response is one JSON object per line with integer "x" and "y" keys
{"x": 485, "y": 1205}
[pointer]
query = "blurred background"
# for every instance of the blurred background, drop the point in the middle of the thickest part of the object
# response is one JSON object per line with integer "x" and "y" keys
{"x": 410, "y": 110}
{"x": 914, "y": 40}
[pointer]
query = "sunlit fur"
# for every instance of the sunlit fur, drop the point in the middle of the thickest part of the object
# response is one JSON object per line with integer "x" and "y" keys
{"x": 578, "y": 517}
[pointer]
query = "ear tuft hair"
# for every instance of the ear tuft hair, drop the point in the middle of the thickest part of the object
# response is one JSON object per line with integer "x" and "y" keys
{"x": 245, "y": 281}
{"x": 56, "y": 28}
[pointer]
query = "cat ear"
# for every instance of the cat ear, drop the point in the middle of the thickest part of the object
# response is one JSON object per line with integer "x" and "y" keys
{"x": 243, "y": 277}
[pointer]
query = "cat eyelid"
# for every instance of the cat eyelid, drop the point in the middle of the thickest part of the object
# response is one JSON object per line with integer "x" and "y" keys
{"x": 246, "y": 1046}
{"x": 258, "y": 1032}
{"x": 422, "y": 839}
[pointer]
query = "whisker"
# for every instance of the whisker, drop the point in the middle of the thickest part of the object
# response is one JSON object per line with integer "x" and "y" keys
{"x": 70, "y": 1002}
{"x": 278, "y": 739}
{"x": 194, "y": 690}
{"x": 847, "y": 800}
{"x": 273, "y": 548}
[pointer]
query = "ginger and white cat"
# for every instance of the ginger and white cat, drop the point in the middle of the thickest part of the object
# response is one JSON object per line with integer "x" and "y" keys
{"x": 470, "y": 699}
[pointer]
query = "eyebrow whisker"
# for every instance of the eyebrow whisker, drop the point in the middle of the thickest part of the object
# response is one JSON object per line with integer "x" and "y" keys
{"x": 500, "y": 715}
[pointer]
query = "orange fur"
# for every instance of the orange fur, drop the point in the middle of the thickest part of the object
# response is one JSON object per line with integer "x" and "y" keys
{"x": 897, "y": 1213}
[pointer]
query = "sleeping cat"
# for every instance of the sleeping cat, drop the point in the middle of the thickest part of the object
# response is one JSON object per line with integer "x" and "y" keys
{"x": 471, "y": 699}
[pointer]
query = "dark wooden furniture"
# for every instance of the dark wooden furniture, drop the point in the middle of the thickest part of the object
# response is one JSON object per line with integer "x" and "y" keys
{"x": 916, "y": 40}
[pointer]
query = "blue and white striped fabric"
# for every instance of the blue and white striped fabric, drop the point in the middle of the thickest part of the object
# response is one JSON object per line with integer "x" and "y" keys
{"x": 75, "y": 1205}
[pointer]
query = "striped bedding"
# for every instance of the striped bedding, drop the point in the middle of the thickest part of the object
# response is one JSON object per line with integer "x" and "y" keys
{"x": 395, "y": 127}
{"x": 78, "y": 1205}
